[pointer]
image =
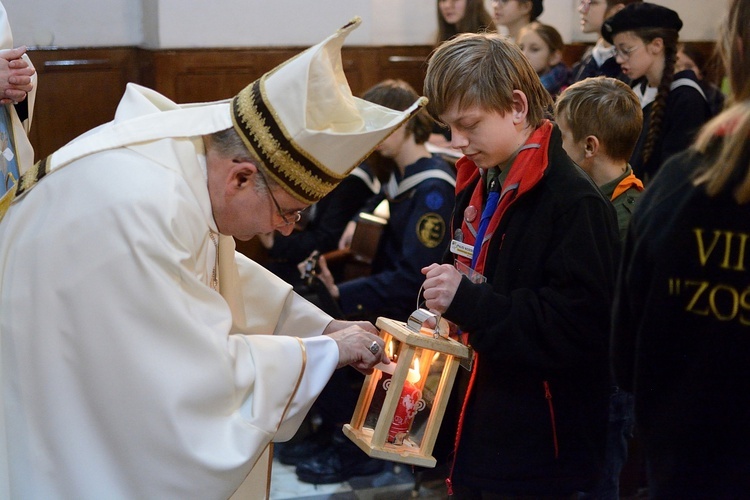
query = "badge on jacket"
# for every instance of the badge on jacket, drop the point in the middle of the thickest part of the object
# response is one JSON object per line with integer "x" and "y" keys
{"x": 430, "y": 229}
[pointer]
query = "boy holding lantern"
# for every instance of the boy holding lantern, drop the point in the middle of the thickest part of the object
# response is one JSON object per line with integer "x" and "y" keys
{"x": 534, "y": 261}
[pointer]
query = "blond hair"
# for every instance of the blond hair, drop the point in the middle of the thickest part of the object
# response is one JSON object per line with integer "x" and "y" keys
{"x": 733, "y": 125}
{"x": 606, "y": 108}
{"x": 483, "y": 70}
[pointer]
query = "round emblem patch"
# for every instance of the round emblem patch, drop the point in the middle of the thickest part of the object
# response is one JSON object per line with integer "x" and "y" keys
{"x": 434, "y": 200}
{"x": 430, "y": 229}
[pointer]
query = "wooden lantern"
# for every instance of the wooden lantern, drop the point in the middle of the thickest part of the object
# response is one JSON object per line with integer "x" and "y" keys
{"x": 401, "y": 425}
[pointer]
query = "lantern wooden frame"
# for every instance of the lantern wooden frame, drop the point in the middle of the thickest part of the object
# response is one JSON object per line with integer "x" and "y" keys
{"x": 374, "y": 442}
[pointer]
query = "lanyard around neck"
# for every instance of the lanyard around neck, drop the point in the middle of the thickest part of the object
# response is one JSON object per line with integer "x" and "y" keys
{"x": 489, "y": 209}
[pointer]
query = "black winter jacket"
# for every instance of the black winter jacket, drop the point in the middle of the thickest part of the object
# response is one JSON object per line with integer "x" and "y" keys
{"x": 681, "y": 333}
{"x": 536, "y": 418}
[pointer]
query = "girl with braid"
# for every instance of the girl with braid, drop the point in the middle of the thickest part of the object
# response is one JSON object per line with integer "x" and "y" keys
{"x": 674, "y": 105}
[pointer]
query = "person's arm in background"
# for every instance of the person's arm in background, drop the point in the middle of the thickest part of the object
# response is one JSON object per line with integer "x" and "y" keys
{"x": 16, "y": 76}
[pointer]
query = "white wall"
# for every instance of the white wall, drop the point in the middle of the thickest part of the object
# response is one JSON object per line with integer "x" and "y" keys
{"x": 700, "y": 18}
{"x": 75, "y": 23}
{"x": 227, "y": 23}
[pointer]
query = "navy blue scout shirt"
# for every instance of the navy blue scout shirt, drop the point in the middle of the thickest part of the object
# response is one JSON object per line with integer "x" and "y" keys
{"x": 686, "y": 111}
{"x": 587, "y": 67}
{"x": 416, "y": 236}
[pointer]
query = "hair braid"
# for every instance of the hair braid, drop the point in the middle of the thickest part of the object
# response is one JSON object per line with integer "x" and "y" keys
{"x": 660, "y": 102}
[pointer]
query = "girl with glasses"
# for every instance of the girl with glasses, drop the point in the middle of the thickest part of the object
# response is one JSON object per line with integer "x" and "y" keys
{"x": 645, "y": 37}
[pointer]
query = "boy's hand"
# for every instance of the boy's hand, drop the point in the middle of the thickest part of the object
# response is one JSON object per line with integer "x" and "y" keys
{"x": 440, "y": 285}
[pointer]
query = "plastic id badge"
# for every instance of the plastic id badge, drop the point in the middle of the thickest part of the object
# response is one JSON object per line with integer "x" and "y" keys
{"x": 473, "y": 276}
{"x": 461, "y": 248}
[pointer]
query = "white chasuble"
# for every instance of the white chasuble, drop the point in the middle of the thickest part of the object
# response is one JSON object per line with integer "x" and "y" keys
{"x": 124, "y": 374}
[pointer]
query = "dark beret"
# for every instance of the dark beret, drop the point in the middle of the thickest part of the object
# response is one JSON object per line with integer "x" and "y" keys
{"x": 640, "y": 15}
{"x": 536, "y": 9}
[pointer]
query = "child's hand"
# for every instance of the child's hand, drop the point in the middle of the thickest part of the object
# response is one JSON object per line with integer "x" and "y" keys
{"x": 440, "y": 285}
{"x": 346, "y": 237}
{"x": 326, "y": 277}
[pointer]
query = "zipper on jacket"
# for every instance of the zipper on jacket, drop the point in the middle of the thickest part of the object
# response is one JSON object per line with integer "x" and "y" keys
{"x": 548, "y": 397}
{"x": 459, "y": 430}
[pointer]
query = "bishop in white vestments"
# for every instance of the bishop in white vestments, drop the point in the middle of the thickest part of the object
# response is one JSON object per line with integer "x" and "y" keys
{"x": 141, "y": 356}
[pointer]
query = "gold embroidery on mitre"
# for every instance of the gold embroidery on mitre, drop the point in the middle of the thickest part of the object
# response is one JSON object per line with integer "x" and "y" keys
{"x": 299, "y": 149}
{"x": 323, "y": 169}
{"x": 302, "y": 183}
{"x": 290, "y": 170}
{"x": 254, "y": 124}
{"x": 430, "y": 229}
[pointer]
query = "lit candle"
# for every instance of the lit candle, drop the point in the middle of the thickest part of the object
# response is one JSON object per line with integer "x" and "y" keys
{"x": 408, "y": 406}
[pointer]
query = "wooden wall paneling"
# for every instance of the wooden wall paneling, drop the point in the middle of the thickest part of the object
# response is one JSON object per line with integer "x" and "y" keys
{"x": 573, "y": 52}
{"x": 361, "y": 68}
{"x": 209, "y": 75}
{"x": 78, "y": 89}
{"x": 408, "y": 63}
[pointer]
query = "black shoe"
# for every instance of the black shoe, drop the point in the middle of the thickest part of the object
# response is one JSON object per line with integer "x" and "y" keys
{"x": 339, "y": 462}
{"x": 312, "y": 445}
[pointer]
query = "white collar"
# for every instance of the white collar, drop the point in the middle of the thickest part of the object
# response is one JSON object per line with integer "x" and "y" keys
{"x": 645, "y": 94}
{"x": 600, "y": 53}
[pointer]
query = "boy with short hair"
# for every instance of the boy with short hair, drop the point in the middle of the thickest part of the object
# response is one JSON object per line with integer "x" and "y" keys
{"x": 535, "y": 247}
{"x": 600, "y": 120}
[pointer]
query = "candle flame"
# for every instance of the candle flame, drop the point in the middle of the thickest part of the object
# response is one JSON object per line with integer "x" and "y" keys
{"x": 414, "y": 376}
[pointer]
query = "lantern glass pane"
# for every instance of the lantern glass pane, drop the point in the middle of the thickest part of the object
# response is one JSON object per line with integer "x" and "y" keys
{"x": 416, "y": 396}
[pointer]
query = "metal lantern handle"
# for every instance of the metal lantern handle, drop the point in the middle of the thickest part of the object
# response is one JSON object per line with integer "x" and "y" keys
{"x": 421, "y": 314}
